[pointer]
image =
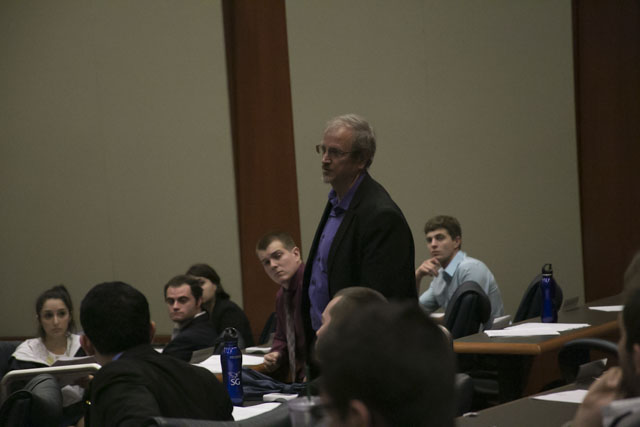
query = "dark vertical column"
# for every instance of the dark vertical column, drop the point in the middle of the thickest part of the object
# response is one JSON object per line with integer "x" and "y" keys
{"x": 607, "y": 76}
{"x": 262, "y": 131}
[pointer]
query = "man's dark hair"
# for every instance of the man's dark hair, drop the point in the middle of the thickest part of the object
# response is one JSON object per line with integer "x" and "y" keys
{"x": 352, "y": 299}
{"x": 449, "y": 223}
{"x": 282, "y": 236}
{"x": 57, "y": 292}
{"x": 395, "y": 360}
{"x": 182, "y": 279}
{"x": 206, "y": 271}
{"x": 115, "y": 317}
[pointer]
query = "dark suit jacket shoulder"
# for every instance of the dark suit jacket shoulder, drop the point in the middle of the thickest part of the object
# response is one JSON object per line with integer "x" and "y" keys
{"x": 373, "y": 246}
{"x": 143, "y": 383}
{"x": 227, "y": 313}
{"x": 195, "y": 335}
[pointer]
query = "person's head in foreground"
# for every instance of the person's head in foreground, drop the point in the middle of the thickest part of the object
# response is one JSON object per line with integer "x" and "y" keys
{"x": 345, "y": 302}
{"x": 115, "y": 317}
{"x": 387, "y": 365}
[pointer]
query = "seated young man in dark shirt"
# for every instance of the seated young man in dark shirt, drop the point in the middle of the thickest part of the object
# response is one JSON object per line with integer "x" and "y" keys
{"x": 223, "y": 313}
{"x": 135, "y": 381}
{"x": 183, "y": 295}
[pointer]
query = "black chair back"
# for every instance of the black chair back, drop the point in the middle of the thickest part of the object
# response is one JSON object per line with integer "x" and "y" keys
{"x": 39, "y": 403}
{"x": 578, "y": 352}
{"x": 531, "y": 304}
{"x": 464, "y": 393}
{"x": 6, "y": 350}
{"x": 468, "y": 309}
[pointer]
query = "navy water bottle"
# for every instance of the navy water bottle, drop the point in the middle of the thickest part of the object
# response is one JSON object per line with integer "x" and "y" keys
{"x": 548, "y": 288}
{"x": 231, "y": 359}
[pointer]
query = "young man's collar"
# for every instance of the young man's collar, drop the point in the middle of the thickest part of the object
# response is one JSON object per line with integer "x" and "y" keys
{"x": 453, "y": 265}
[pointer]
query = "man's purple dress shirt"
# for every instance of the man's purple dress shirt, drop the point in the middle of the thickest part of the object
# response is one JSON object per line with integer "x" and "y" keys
{"x": 319, "y": 284}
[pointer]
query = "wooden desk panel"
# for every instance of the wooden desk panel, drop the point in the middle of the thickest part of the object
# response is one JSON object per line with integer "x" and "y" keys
{"x": 603, "y": 325}
{"x": 527, "y": 364}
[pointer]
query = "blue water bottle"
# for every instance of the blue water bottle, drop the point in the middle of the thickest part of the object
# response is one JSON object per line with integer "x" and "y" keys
{"x": 548, "y": 287}
{"x": 231, "y": 359}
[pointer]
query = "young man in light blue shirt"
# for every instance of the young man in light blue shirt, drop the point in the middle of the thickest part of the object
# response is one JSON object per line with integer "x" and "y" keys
{"x": 450, "y": 267}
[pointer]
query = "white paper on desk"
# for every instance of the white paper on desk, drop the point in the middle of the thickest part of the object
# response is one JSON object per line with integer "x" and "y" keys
{"x": 557, "y": 327}
{"x": 213, "y": 363}
{"x": 572, "y": 396}
{"x": 535, "y": 329}
{"x": 530, "y": 332}
{"x": 242, "y": 413}
{"x": 607, "y": 308}
{"x": 257, "y": 349}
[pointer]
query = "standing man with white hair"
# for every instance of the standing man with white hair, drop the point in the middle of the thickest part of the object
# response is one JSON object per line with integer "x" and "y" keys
{"x": 363, "y": 238}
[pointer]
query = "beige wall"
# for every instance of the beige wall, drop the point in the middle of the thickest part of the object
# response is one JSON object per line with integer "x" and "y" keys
{"x": 115, "y": 152}
{"x": 473, "y": 106}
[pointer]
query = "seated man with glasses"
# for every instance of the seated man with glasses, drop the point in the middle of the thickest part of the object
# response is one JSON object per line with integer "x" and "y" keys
{"x": 363, "y": 238}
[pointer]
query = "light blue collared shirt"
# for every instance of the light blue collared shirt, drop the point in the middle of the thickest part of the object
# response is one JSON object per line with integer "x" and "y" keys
{"x": 461, "y": 269}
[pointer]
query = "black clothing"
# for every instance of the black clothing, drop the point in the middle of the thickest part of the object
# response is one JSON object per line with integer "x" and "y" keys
{"x": 143, "y": 383}
{"x": 227, "y": 313}
{"x": 197, "y": 334}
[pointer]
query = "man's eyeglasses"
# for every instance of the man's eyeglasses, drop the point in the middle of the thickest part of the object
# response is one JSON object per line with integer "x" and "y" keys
{"x": 332, "y": 153}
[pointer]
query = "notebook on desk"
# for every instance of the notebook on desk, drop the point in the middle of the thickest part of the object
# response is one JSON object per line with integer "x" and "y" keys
{"x": 65, "y": 375}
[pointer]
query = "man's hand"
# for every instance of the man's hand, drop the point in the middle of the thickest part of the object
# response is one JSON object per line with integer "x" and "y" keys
{"x": 84, "y": 381}
{"x": 272, "y": 361}
{"x": 604, "y": 390}
{"x": 429, "y": 267}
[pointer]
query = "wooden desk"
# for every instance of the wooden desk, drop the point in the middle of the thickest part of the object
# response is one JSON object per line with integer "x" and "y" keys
{"x": 527, "y": 364}
{"x": 525, "y": 412}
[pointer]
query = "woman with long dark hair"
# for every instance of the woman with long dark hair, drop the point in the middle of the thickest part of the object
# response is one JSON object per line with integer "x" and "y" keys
{"x": 56, "y": 341}
{"x": 223, "y": 312}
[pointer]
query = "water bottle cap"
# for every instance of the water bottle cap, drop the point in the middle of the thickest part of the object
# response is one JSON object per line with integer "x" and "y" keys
{"x": 547, "y": 269}
{"x": 230, "y": 334}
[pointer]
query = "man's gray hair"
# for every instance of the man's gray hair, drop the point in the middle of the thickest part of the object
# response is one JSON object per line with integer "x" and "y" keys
{"x": 364, "y": 139}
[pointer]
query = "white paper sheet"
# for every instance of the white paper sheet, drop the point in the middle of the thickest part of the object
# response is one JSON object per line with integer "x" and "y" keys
{"x": 256, "y": 349}
{"x": 558, "y": 327}
{"x": 242, "y": 413}
{"x": 572, "y": 396}
{"x": 607, "y": 308}
{"x": 531, "y": 332}
{"x": 535, "y": 328}
{"x": 213, "y": 363}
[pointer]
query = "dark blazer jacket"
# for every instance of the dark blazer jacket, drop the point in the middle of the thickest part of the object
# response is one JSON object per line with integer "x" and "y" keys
{"x": 143, "y": 383}
{"x": 373, "y": 247}
{"x": 195, "y": 335}
{"x": 227, "y": 313}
